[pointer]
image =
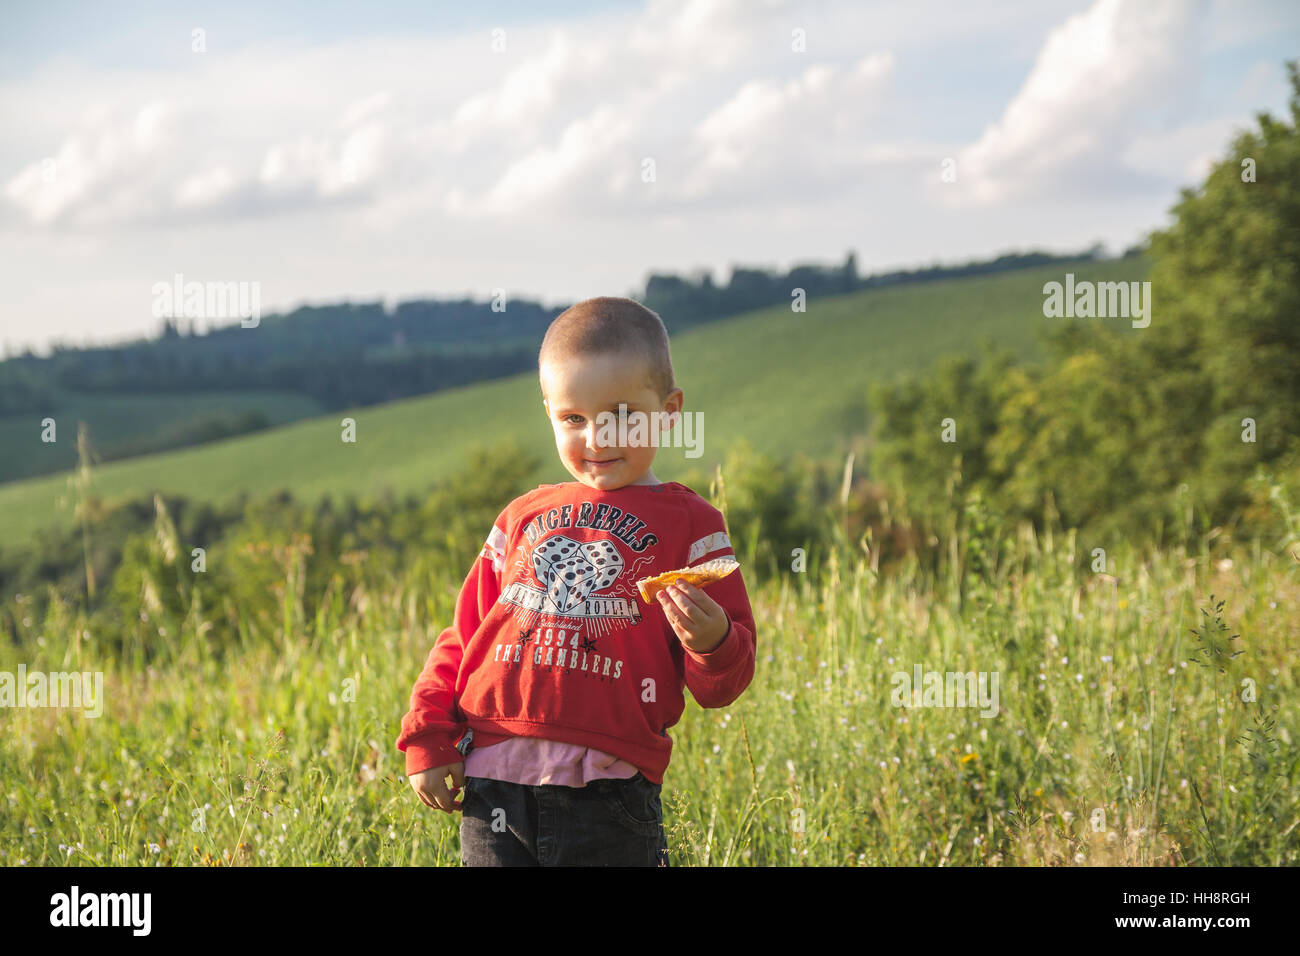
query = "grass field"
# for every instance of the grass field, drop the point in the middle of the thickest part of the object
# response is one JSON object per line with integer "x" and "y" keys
{"x": 788, "y": 383}
{"x": 1108, "y": 745}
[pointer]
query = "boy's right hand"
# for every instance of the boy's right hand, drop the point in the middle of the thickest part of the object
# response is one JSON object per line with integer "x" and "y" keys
{"x": 431, "y": 786}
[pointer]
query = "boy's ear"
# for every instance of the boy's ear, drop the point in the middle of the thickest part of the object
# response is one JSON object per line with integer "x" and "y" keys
{"x": 673, "y": 401}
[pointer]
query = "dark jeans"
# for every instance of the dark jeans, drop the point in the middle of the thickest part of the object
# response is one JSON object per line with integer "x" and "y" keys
{"x": 605, "y": 823}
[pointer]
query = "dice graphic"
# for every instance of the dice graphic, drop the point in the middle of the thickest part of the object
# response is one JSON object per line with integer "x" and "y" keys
{"x": 555, "y": 548}
{"x": 607, "y": 561}
{"x": 571, "y": 581}
{"x": 570, "y": 571}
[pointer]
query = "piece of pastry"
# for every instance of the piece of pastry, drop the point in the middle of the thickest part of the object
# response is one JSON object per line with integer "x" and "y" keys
{"x": 700, "y": 575}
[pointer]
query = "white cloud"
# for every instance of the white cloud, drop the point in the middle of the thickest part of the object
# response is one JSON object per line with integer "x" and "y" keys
{"x": 1090, "y": 93}
{"x": 108, "y": 167}
{"x": 559, "y": 119}
{"x": 769, "y": 130}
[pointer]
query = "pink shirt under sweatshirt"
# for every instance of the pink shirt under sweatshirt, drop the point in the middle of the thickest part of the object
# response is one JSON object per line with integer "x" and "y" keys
{"x": 534, "y": 761}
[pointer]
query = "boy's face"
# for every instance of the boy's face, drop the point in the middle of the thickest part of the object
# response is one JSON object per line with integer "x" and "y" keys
{"x": 577, "y": 390}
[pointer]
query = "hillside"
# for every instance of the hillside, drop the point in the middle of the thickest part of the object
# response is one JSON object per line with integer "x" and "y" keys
{"x": 788, "y": 383}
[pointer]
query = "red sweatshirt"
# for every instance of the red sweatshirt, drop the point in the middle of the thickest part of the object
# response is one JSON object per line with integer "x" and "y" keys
{"x": 551, "y": 638}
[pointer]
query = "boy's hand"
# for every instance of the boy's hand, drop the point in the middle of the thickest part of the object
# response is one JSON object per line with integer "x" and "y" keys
{"x": 699, "y": 621}
{"x": 431, "y": 786}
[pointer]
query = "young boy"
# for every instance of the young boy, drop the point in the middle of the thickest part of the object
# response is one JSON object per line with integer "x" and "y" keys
{"x": 556, "y": 678}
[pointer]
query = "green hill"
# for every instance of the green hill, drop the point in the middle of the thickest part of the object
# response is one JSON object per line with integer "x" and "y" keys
{"x": 118, "y": 419}
{"x": 787, "y": 382}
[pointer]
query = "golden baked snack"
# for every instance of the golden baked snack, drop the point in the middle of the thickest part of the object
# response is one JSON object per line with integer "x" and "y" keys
{"x": 700, "y": 575}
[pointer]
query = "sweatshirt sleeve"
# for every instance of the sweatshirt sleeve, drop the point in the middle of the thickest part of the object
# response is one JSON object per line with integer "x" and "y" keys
{"x": 433, "y": 723}
{"x": 717, "y": 678}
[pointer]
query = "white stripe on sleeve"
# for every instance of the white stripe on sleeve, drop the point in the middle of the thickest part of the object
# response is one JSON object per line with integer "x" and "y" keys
{"x": 709, "y": 544}
{"x": 495, "y": 548}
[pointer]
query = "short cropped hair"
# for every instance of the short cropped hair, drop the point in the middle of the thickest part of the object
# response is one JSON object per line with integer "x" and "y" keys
{"x": 609, "y": 324}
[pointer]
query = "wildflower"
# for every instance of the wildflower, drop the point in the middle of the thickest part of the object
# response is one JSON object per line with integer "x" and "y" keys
{"x": 967, "y": 758}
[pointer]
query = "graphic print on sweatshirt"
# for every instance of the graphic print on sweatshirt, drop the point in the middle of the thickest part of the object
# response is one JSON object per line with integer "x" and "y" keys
{"x": 584, "y": 585}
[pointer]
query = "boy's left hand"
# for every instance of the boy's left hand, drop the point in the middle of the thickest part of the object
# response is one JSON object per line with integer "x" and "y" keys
{"x": 699, "y": 621}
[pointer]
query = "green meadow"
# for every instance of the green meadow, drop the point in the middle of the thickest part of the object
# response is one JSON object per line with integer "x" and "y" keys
{"x": 1123, "y": 731}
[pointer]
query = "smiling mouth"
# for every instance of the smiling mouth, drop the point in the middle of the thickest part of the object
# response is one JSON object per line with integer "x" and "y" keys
{"x": 592, "y": 461}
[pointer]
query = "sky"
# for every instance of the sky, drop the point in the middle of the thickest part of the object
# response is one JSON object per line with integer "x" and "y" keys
{"x": 336, "y": 152}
